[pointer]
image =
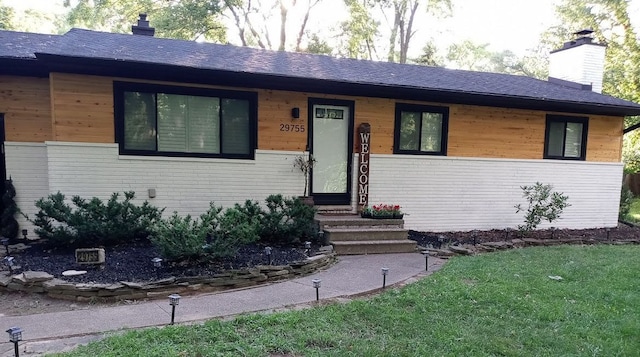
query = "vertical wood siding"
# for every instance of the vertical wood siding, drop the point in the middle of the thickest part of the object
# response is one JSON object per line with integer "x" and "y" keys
{"x": 25, "y": 103}
{"x": 82, "y": 108}
{"x": 83, "y": 112}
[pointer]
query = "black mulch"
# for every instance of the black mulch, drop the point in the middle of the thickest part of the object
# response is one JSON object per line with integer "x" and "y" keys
{"x": 439, "y": 239}
{"x": 134, "y": 263}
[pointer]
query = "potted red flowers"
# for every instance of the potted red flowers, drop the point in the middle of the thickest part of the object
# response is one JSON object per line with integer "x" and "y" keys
{"x": 386, "y": 211}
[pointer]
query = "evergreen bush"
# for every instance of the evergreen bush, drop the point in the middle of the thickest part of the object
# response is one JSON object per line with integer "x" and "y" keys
{"x": 287, "y": 221}
{"x": 90, "y": 223}
{"x": 8, "y": 221}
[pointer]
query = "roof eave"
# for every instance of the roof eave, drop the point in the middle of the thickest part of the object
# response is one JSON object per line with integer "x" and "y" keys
{"x": 172, "y": 73}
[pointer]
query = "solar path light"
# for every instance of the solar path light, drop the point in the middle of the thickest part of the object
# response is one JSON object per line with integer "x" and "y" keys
{"x": 157, "y": 262}
{"x": 316, "y": 285}
{"x": 307, "y": 247}
{"x": 267, "y": 252}
{"x": 5, "y": 242}
{"x": 15, "y": 336}
{"x": 8, "y": 261}
{"x": 24, "y": 234}
{"x": 426, "y": 260}
{"x": 174, "y": 300}
{"x": 385, "y": 271}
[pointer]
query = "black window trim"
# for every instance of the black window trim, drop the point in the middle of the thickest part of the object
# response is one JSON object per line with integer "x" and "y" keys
{"x": 118, "y": 97}
{"x": 400, "y": 107}
{"x": 566, "y": 119}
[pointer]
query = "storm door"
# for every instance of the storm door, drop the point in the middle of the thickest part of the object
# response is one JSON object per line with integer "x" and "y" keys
{"x": 331, "y": 138}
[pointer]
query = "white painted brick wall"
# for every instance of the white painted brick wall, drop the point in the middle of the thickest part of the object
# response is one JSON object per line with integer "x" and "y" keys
{"x": 583, "y": 64}
{"x": 460, "y": 194}
{"x": 186, "y": 185}
{"x": 27, "y": 166}
{"x": 437, "y": 193}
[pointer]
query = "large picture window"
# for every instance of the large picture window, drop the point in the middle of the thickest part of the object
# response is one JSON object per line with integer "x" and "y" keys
{"x": 421, "y": 129}
{"x": 177, "y": 121}
{"x": 566, "y": 137}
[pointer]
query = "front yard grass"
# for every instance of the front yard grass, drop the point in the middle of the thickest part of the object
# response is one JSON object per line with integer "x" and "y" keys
{"x": 501, "y": 304}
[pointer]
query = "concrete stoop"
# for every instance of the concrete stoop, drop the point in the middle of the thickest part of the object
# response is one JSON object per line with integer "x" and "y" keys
{"x": 351, "y": 234}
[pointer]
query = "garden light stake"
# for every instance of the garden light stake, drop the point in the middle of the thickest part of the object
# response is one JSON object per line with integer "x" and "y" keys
{"x": 316, "y": 285}
{"x": 385, "y": 271}
{"x": 174, "y": 300}
{"x": 15, "y": 336}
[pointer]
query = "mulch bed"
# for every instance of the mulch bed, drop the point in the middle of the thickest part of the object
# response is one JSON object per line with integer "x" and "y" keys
{"x": 439, "y": 239}
{"x": 133, "y": 263}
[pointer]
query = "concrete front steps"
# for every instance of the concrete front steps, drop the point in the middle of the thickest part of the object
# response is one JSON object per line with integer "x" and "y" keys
{"x": 351, "y": 234}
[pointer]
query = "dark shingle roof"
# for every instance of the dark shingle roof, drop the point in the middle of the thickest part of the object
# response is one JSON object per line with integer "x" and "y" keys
{"x": 133, "y": 49}
{"x": 24, "y": 45}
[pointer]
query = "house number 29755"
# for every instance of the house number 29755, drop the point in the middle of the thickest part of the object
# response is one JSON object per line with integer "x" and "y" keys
{"x": 295, "y": 128}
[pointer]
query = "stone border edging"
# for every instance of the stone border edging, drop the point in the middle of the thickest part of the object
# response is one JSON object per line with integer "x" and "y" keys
{"x": 45, "y": 283}
{"x": 470, "y": 249}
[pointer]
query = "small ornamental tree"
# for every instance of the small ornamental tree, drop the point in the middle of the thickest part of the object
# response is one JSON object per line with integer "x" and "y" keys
{"x": 542, "y": 203}
{"x": 9, "y": 210}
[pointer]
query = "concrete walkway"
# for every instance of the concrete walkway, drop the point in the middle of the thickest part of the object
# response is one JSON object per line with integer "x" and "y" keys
{"x": 351, "y": 276}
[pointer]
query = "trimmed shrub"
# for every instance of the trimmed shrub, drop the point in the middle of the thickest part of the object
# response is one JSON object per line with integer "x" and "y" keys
{"x": 216, "y": 234}
{"x": 91, "y": 222}
{"x": 287, "y": 221}
{"x": 8, "y": 221}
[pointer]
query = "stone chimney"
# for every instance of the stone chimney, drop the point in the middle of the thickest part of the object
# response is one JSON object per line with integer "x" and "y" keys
{"x": 143, "y": 27}
{"x": 580, "y": 61}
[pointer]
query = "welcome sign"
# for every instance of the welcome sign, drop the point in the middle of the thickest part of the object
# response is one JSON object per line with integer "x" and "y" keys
{"x": 364, "y": 135}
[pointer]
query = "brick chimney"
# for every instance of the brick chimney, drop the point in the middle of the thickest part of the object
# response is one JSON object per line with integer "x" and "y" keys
{"x": 143, "y": 27}
{"x": 580, "y": 61}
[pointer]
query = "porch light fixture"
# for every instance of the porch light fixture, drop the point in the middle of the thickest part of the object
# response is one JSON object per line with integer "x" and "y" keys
{"x": 24, "y": 233}
{"x": 15, "y": 336}
{"x": 295, "y": 113}
{"x": 316, "y": 285}
{"x": 5, "y": 242}
{"x": 385, "y": 271}
{"x": 174, "y": 300}
{"x": 267, "y": 252}
{"x": 157, "y": 262}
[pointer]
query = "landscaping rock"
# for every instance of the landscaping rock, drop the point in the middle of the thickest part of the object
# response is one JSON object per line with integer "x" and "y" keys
{"x": 460, "y": 250}
{"x": 73, "y": 272}
{"x": 31, "y": 277}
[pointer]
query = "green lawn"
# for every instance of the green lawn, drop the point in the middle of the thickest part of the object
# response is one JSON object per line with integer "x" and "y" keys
{"x": 501, "y": 304}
